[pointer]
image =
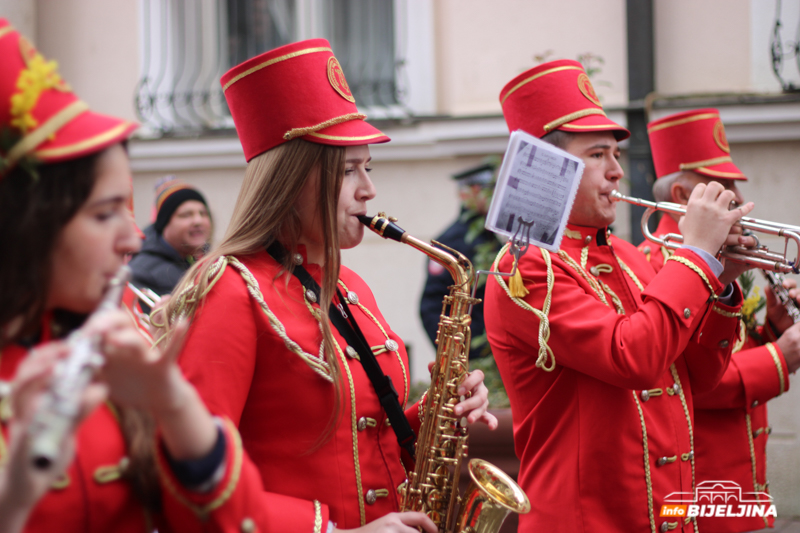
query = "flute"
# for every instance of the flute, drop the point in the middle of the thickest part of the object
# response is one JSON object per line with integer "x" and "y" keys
{"x": 775, "y": 282}
{"x": 61, "y": 402}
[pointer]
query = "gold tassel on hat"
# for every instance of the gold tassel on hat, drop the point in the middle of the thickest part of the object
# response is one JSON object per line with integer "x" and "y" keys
{"x": 516, "y": 287}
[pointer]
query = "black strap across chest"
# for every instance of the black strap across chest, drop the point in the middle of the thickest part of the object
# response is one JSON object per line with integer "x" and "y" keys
{"x": 345, "y": 323}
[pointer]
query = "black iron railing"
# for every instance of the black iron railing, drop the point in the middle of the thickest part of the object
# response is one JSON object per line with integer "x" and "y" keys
{"x": 785, "y": 53}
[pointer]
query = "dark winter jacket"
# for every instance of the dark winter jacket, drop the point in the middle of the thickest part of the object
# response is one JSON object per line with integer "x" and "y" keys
{"x": 158, "y": 265}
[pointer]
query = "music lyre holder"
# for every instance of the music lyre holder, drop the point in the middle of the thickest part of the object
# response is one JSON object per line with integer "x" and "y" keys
{"x": 520, "y": 243}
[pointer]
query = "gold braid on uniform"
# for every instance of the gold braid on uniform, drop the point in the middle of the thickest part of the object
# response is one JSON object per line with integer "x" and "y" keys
{"x": 188, "y": 297}
{"x": 354, "y": 430}
{"x": 202, "y": 511}
{"x": 629, "y": 272}
{"x": 317, "y": 517}
{"x": 646, "y": 449}
{"x": 598, "y": 286}
{"x": 545, "y": 352}
{"x": 753, "y": 459}
{"x": 777, "y": 360}
{"x": 593, "y": 283}
{"x": 697, "y": 269}
{"x": 677, "y": 379}
{"x": 367, "y": 312}
{"x": 742, "y": 338}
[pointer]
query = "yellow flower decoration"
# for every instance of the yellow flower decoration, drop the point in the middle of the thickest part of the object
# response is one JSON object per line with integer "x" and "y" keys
{"x": 750, "y": 305}
{"x": 38, "y": 77}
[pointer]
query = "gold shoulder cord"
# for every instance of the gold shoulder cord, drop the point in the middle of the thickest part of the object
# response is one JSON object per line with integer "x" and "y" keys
{"x": 316, "y": 363}
{"x": 545, "y": 352}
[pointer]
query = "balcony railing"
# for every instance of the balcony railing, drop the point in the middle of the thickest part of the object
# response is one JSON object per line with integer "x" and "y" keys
{"x": 188, "y": 44}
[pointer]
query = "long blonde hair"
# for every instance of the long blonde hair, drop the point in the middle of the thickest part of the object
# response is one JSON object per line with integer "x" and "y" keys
{"x": 266, "y": 211}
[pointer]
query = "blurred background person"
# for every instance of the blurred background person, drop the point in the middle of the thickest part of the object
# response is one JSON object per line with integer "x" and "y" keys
{"x": 467, "y": 235}
{"x": 179, "y": 236}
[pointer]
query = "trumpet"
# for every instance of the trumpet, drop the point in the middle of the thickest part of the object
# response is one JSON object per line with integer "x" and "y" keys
{"x": 758, "y": 257}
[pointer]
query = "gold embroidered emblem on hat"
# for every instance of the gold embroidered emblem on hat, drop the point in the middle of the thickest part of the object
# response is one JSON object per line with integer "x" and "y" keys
{"x": 587, "y": 90}
{"x": 720, "y": 138}
{"x": 338, "y": 82}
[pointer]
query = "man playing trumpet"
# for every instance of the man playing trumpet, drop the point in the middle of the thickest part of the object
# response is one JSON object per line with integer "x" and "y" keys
{"x": 730, "y": 434}
{"x": 600, "y": 355}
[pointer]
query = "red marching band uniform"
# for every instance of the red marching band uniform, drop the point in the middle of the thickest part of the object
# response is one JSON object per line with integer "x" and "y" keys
{"x": 731, "y": 426}
{"x": 254, "y": 347}
{"x": 602, "y": 357}
{"x": 54, "y": 125}
{"x": 93, "y": 495}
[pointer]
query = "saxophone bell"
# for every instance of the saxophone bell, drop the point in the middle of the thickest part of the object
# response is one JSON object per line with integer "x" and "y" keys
{"x": 489, "y": 498}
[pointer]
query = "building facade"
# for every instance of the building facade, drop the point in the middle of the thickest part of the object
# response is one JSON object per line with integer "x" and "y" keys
{"x": 428, "y": 73}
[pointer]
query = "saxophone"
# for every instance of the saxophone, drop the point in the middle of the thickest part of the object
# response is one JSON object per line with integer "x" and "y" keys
{"x": 432, "y": 488}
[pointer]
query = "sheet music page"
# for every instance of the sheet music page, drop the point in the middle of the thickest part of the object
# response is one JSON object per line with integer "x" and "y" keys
{"x": 537, "y": 183}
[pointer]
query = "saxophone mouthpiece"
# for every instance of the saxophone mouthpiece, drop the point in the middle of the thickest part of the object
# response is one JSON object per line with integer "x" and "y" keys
{"x": 384, "y": 226}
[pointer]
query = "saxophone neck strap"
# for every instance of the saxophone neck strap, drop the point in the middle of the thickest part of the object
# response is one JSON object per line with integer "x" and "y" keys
{"x": 345, "y": 323}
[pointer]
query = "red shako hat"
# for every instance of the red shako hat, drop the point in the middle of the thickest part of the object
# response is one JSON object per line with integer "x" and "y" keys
{"x": 40, "y": 116}
{"x": 555, "y": 96}
{"x": 297, "y": 90}
{"x": 692, "y": 140}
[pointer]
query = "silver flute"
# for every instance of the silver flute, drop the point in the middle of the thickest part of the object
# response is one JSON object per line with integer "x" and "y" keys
{"x": 775, "y": 281}
{"x": 61, "y": 402}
